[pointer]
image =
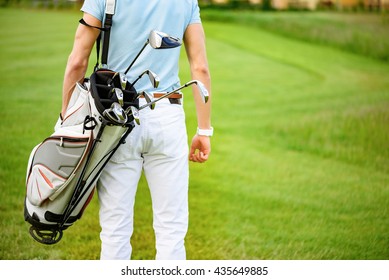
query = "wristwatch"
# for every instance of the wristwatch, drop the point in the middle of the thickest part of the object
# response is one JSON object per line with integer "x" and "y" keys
{"x": 205, "y": 132}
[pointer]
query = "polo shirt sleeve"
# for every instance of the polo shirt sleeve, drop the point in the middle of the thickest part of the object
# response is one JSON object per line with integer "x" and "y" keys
{"x": 195, "y": 13}
{"x": 95, "y": 8}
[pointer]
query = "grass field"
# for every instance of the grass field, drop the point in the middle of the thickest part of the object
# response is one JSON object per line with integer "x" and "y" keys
{"x": 300, "y": 160}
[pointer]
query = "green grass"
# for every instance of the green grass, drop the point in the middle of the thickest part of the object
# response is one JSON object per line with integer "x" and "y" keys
{"x": 300, "y": 156}
{"x": 361, "y": 33}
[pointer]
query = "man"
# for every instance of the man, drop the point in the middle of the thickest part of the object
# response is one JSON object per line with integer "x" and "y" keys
{"x": 158, "y": 146}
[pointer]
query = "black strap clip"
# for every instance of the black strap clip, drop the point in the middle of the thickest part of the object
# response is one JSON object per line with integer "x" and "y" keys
{"x": 89, "y": 123}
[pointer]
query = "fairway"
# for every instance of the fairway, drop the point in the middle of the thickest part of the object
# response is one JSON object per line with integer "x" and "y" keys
{"x": 300, "y": 158}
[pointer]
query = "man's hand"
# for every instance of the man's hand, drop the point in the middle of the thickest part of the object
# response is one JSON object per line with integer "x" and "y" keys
{"x": 200, "y": 149}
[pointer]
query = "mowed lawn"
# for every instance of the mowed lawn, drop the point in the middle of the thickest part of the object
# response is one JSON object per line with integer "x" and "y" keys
{"x": 300, "y": 157}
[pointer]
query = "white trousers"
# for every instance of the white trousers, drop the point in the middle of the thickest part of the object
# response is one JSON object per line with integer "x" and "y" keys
{"x": 159, "y": 147}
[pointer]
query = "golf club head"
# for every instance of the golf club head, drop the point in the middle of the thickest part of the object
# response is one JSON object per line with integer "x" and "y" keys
{"x": 123, "y": 81}
{"x": 203, "y": 91}
{"x": 154, "y": 79}
{"x": 110, "y": 81}
{"x": 161, "y": 40}
{"x": 135, "y": 114}
{"x": 157, "y": 40}
{"x": 148, "y": 98}
{"x": 119, "y": 96}
{"x": 116, "y": 114}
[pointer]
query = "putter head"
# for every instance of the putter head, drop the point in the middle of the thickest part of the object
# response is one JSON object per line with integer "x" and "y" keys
{"x": 148, "y": 98}
{"x": 116, "y": 114}
{"x": 161, "y": 40}
{"x": 203, "y": 91}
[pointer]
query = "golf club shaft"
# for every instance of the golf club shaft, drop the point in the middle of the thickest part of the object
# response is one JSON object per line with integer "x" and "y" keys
{"x": 166, "y": 95}
{"x": 132, "y": 63}
{"x": 162, "y": 97}
{"x": 137, "y": 79}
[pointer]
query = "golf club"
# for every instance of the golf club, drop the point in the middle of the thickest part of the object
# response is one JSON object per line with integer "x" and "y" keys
{"x": 161, "y": 40}
{"x": 151, "y": 103}
{"x": 148, "y": 98}
{"x": 154, "y": 79}
{"x": 123, "y": 80}
{"x": 157, "y": 40}
{"x": 202, "y": 90}
{"x": 119, "y": 96}
{"x": 132, "y": 111}
{"x": 135, "y": 112}
{"x": 116, "y": 114}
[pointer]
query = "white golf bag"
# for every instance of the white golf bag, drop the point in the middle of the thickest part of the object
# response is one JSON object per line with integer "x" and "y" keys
{"x": 63, "y": 169}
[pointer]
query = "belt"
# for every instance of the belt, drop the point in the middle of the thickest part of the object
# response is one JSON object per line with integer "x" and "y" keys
{"x": 174, "y": 98}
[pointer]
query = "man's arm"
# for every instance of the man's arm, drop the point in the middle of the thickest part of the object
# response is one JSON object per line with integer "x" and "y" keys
{"x": 194, "y": 40}
{"x": 78, "y": 60}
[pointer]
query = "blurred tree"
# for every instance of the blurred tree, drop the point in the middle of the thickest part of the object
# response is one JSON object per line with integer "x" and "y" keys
{"x": 267, "y": 5}
{"x": 205, "y": 2}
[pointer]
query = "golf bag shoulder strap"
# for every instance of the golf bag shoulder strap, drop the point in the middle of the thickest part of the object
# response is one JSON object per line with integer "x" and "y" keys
{"x": 109, "y": 12}
{"x": 83, "y": 22}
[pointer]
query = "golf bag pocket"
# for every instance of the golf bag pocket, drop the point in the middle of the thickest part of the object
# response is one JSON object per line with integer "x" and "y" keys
{"x": 52, "y": 164}
{"x": 42, "y": 184}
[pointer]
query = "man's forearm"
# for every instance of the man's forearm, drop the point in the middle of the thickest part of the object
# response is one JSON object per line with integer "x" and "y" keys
{"x": 203, "y": 110}
{"x": 78, "y": 60}
{"x": 75, "y": 72}
{"x": 195, "y": 48}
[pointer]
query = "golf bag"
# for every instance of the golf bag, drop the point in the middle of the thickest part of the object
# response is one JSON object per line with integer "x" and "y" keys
{"x": 62, "y": 170}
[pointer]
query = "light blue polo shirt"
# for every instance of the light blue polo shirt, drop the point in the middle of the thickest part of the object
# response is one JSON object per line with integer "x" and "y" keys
{"x": 132, "y": 22}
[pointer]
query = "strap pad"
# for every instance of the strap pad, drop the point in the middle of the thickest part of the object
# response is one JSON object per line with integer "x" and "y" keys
{"x": 110, "y": 7}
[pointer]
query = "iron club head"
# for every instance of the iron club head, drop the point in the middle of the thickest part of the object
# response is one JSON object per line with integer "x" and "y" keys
{"x": 110, "y": 81}
{"x": 123, "y": 81}
{"x": 135, "y": 113}
{"x": 149, "y": 100}
{"x": 154, "y": 79}
{"x": 203, "y": 91}
{"x": 119, "y": 96}
{"x": 116, "y": 114}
